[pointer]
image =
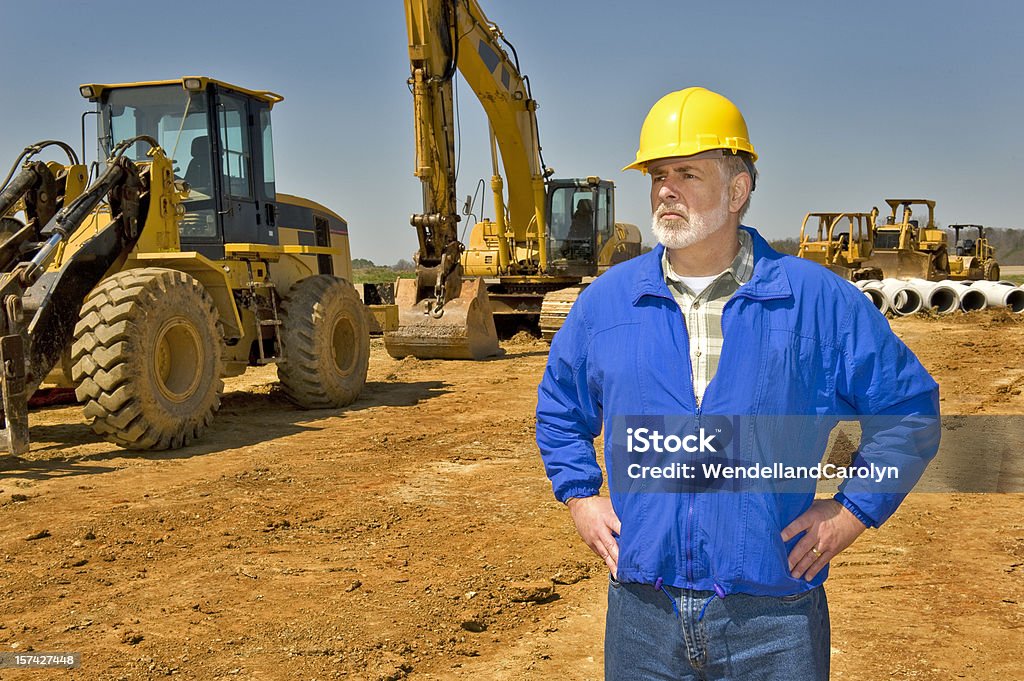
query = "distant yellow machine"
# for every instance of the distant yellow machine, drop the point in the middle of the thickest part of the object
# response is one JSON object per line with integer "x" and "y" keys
{"x": 972, "y": 258}
{"x": 904, "y": 248}
{"x": 843, "y": 252}
{"x": 179, "y": 265}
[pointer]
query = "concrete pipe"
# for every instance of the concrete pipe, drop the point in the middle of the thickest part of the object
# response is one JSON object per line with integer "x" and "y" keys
{"x": 971, "y": 299}
{"x": 877, "y": 298}
{"x": 904, "y": 299}
{"x": 943, "y": 299}
{"x": 875, "y": 294}
{"x": 1001, "y": 294}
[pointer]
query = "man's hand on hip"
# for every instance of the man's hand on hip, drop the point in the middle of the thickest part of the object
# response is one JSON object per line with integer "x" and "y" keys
{"x": 598, "y": 525}
{"x": 829, "y": 527}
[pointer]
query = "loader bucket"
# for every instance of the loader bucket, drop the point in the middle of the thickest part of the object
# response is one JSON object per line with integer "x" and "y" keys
{"x": 465, "y": 329}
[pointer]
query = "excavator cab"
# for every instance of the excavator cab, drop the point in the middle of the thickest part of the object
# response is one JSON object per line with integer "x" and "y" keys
{"x": 219, "y": 136}
{"x": 581, "y": 220}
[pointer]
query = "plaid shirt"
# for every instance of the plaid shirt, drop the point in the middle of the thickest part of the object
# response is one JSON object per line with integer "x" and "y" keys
{"x": 702, "y": 313}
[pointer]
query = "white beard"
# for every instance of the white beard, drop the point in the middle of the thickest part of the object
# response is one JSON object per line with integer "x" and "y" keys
{"x": 685, "y": 232}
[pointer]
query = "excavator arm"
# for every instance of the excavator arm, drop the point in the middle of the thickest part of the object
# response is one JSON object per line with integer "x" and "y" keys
{"x": 439, "y": 314}
{"x": 450, "y": 35}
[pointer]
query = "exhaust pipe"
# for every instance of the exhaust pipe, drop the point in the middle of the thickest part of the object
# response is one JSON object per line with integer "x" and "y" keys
{"x": 904, "y": 299}
{"x": 874, "y": 293}
{"x": 943, "y": 299}
{"x": 1001, "y": 294}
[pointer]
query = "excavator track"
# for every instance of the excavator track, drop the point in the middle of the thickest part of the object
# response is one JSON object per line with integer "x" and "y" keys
{"x": 555, "y": 309}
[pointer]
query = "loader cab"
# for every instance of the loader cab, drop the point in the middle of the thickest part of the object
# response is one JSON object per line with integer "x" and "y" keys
{"x": 581, "y": 219}
{"x": 219, "y": 137}
{"x": 967, "y": 246}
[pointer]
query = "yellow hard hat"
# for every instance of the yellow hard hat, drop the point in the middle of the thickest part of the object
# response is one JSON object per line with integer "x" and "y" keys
{"x": 688, "y": 122}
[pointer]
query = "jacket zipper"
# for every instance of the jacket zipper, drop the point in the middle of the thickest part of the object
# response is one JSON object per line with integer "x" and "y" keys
{"x": 692, "y": 496}
{"x": 697, "y": 406}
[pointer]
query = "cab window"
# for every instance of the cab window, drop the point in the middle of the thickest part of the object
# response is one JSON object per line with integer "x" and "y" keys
{"x": 235, "y": 156}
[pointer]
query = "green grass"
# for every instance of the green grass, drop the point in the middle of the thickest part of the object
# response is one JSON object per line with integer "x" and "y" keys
{"x": 378, "y": 275}
{"x": 1015, "y": 278}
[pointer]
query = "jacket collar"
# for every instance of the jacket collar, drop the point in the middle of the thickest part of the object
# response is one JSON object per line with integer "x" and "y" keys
{"x": 769, "y": 281}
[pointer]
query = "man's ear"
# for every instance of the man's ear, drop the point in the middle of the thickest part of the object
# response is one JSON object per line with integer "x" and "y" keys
{"x": 739, "y": 192}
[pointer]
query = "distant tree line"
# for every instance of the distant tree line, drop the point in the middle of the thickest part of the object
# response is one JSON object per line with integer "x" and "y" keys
{"x": 402, "y": 265}
{"x": 788, "y": 246}
{"x": 365, "y": 271}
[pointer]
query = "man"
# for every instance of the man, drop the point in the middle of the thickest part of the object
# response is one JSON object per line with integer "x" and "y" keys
{"x": 727, "y": 584}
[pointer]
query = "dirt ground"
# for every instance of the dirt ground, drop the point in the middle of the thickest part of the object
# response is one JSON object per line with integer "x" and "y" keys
{"x": 414, "y": 535}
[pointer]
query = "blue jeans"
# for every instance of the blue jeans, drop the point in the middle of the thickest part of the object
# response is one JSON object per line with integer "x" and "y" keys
{"x": 740, "y": 638}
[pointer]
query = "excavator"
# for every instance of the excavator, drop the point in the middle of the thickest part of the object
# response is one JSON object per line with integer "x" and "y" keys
{"x": 178, "y": 265}
{"x": 547, "y": 237}
{"x": 843, "y": 252}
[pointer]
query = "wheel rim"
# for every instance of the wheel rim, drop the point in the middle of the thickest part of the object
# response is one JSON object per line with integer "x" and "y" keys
{"x": 177, "y": 360}
{"x": 343, "y": 344}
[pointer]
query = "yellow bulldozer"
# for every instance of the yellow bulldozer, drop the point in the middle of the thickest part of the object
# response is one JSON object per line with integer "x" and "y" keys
{"x": 843, "y": 252}
{"x": 179, "y": 264}
{"x": 904, "y": 248}
{"x": 547, "y": 236}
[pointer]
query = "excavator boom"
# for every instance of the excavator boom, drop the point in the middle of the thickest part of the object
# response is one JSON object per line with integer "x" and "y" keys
{"x": 439, "y": 315}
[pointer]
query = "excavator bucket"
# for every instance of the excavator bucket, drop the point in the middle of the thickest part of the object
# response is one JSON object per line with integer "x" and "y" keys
{"x": 464, "y": 330}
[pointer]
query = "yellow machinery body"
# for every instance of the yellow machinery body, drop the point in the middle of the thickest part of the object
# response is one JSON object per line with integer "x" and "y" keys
{"x": 842, "y": 242}
{"x": 972, "y": 259}
{"x": 284, "y": 238}
{"x": 213, "y": 272}
{"x": 903, "y": 248}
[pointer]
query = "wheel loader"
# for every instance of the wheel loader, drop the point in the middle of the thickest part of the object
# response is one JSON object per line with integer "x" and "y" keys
{"x": 548, "y": 236}
{"x": 178, "y": 265}
{"x": 843, "y": 252}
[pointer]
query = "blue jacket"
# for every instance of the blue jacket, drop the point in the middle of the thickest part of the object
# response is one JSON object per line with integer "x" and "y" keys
{"x": 798, "y": 341}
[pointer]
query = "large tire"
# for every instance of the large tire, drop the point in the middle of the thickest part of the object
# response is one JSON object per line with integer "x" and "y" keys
{"x": 325, "y": 343}
{"x": 991, "y": 271}
{"x": 147, "y": 359}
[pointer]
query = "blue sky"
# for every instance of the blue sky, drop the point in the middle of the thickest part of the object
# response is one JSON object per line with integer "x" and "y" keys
{"x": 847, "y": 103}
